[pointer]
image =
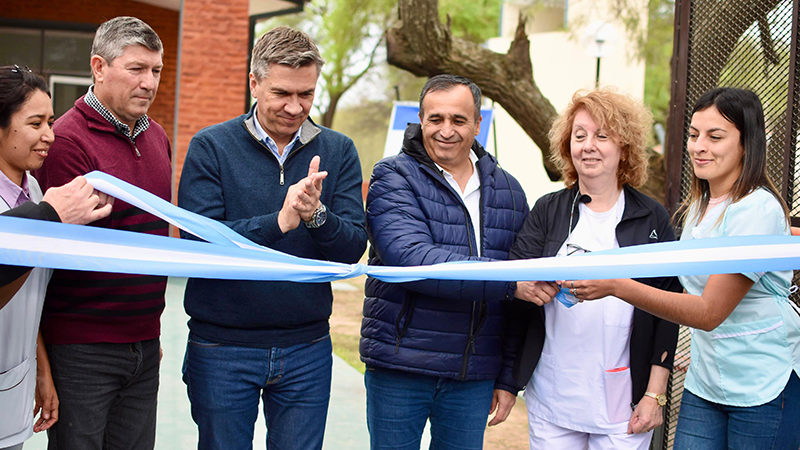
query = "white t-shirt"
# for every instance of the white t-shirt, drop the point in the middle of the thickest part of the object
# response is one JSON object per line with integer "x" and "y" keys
{"x": 471, "y": 196}
{"x": 582, "y": 381}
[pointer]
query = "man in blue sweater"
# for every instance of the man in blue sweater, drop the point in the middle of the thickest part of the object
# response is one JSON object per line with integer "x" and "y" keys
{"x": 280, "y": 180}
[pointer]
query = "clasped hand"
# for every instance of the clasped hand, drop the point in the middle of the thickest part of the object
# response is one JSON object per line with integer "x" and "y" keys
{"x": 537, "y": 292}
{"x": 302, "y": 198}
{"x": 543, "y": 292}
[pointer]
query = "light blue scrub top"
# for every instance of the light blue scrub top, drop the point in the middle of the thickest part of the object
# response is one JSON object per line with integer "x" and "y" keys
{"x": 748, "y": 358}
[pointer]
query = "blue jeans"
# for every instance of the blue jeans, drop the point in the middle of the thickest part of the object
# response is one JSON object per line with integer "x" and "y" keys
{"x": 774, "y": 425}
{"x": 107, "y": 395}
{"x": 400, "y": 403}
{"x": 224, "y": 383}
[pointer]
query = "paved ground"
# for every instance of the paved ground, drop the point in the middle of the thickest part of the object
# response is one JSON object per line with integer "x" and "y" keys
{"x": 346, "y": 427}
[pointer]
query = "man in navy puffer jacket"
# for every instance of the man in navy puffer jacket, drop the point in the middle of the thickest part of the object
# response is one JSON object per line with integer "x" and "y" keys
{"x": 436, "y": 349}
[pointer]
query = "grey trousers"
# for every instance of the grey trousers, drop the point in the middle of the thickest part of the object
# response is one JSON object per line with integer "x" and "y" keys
{"x": 107, "y": 395}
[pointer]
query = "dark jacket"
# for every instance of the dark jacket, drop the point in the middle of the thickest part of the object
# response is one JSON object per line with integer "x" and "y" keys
{"x": 28, "y": 210}
{"x": 231, "y": 176}
{"x": 643, "y": 221}
{"x": 452, "y": 329}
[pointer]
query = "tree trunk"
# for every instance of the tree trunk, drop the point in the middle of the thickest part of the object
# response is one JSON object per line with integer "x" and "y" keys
{"x": 330, "y": 112}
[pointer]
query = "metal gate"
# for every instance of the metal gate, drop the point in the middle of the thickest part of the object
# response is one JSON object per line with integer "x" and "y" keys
{"x": 749, "y": 44}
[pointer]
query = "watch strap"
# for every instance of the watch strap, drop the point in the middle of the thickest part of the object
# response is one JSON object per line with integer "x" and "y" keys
{"x": 661, "y": 399}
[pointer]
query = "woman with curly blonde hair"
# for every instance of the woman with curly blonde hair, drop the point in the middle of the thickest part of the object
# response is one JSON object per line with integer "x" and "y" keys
{"x": 595, "y": 374}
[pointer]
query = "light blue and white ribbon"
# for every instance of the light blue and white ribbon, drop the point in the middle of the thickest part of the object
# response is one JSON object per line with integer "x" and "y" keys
{"x": 228, "y": 255}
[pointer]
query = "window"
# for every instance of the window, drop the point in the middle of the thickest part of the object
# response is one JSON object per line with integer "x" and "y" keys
{"x": 65, "y": 90}
{"x": 20, "y": 46}
{"x": 61, "y": 56}
{"x": 66, "y": 52}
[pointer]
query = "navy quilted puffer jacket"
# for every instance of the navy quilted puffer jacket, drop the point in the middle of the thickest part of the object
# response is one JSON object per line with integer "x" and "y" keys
{"x": 445, "y": 328}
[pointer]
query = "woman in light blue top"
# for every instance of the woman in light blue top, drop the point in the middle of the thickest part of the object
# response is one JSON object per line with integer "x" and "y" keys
{"x": 743, "y": 385}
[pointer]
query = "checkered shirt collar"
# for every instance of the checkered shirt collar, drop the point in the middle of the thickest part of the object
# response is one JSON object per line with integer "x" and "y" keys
{"x": 142, "y": 123}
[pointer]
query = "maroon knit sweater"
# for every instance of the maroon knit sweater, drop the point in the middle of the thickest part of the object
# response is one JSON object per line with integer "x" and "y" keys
{"x": 90, "y": 307}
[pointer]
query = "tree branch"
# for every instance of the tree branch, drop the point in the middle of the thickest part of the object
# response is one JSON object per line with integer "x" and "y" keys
{"x": 354, "y": 79}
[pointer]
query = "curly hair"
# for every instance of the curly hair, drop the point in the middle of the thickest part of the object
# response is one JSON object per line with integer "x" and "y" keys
{"x": 624, "y": 119}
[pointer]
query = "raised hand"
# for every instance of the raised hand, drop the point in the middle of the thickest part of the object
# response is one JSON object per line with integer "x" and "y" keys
{"x": 302, "y": 198}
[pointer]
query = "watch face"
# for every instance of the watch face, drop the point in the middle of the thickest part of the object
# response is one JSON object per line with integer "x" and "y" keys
{"x": 318, "y": 218}
{"x": 320, "y": 215}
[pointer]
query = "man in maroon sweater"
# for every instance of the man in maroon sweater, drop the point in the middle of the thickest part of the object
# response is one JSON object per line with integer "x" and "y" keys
{"x": 102, "y": 329}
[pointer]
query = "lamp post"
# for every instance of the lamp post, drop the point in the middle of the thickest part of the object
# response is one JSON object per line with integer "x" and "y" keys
{"x": 599, "y": 39}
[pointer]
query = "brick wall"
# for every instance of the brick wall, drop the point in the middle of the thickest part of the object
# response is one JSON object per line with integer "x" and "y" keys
{"x": 94, "y": 12}
{"x": 214, "y": 68}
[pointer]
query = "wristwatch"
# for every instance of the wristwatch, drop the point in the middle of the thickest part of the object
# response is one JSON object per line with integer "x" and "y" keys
{"x": 660, "y": 398}
{"x": 318, "y": 218}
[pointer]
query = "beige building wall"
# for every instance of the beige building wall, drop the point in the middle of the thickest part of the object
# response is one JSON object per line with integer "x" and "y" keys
{"x": 562, "y": 64}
